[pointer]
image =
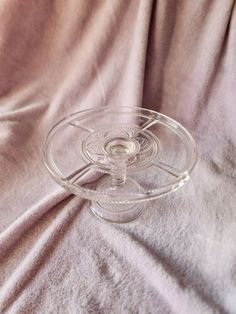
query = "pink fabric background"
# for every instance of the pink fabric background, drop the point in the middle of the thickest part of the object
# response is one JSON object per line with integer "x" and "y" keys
{"x": 175, "y": 56}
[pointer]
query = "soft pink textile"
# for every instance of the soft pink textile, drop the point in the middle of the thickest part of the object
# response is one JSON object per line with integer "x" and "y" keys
{"x": 175, "y": 56}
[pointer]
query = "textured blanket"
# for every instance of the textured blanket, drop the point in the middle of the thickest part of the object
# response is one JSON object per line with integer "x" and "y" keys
{"x": 174, "y": 56}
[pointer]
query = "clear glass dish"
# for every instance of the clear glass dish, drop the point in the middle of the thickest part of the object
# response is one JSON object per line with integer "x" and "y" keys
{"x": 119, "y": 158}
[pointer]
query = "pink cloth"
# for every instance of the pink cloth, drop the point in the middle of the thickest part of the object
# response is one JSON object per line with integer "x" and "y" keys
{"x": 57, "y": 57}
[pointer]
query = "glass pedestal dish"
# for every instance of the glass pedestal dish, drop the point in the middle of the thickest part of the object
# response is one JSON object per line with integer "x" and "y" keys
{"x": 119, "y": 158}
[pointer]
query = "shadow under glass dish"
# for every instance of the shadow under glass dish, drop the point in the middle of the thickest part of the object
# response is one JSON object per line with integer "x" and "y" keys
{"x": 119, "y": 158}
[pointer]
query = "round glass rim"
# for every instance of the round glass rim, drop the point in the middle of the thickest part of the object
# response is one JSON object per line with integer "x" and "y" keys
{"x": 153, "y": 194}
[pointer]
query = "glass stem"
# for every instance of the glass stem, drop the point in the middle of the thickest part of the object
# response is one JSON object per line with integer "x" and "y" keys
{"x": 118, "y": 173}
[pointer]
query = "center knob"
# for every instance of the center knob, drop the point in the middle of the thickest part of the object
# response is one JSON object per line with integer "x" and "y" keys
{"x": 121, "y": 147}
